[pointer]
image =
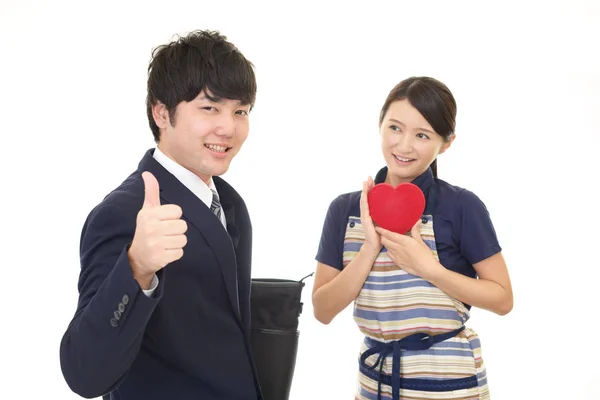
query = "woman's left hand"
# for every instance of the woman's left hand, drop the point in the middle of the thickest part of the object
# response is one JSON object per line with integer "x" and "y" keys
{"x": 410, "y": 253}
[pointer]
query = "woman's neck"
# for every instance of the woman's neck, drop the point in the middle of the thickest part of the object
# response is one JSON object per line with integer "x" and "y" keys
{"x": 395, "y": 180}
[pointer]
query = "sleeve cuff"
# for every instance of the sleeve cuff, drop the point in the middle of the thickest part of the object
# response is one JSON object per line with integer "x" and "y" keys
{"x": 153, "y": 286}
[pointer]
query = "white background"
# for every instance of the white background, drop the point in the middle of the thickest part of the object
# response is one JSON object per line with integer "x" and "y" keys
{"x": 527, "y": 82}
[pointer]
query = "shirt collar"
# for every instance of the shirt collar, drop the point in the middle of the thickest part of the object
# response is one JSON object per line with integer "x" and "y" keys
{"x": 187, "y": 178}
{"x": 423, "y": 181}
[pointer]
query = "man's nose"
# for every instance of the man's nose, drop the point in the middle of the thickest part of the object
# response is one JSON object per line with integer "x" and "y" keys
{"x": 226, "y": 126}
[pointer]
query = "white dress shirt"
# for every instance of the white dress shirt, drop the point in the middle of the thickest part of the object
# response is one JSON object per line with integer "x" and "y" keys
{"x": 191, "y": 181}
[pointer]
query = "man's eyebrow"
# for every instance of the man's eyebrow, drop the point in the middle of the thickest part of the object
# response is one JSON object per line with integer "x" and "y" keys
{"x": 213, "y": 99}
{"x": 221, "y": 100}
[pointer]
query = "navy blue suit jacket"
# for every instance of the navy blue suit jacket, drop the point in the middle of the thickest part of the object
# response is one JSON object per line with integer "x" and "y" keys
{"x": 191, "y": 340}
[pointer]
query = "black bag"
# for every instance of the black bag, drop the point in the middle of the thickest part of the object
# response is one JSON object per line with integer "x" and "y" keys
{"x": 275, "y": 306}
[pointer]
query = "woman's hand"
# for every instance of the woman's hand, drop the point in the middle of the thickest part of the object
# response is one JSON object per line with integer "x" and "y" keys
{"x": 410, "y": 253}
{"x": 372, "y": 238}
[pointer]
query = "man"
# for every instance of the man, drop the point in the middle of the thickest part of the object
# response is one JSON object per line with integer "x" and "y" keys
{"x": 164, "y": 287}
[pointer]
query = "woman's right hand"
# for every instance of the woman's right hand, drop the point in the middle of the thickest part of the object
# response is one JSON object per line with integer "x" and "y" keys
{"x": 372, "y": 238}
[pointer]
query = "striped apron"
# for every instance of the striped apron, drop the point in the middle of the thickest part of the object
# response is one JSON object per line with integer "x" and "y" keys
{"x": 416, "y": 344}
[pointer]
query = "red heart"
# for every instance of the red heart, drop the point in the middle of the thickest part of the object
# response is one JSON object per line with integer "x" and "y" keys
{"x": 396, "y": 210}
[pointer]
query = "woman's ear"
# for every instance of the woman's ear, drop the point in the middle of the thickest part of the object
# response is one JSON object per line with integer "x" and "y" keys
{"x": 447, "y": 143}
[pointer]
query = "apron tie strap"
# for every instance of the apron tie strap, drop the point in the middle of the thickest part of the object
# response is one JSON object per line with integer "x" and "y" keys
{"x": 415, "y": 342}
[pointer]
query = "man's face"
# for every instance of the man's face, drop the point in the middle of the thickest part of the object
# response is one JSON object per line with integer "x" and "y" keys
{"x": 205, "y": 135}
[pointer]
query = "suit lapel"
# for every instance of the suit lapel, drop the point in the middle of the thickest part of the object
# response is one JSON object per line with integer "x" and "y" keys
{"x": 202, "y": 218}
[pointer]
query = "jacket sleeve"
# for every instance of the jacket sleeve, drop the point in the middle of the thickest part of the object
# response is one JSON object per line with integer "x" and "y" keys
{"x": 105, "y": 335}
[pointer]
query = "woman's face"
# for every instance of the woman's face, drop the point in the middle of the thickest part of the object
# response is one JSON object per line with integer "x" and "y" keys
{"x": 408, "y": 142}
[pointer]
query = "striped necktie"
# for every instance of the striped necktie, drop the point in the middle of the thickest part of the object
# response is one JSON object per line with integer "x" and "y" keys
{"x": 215, "y": 206}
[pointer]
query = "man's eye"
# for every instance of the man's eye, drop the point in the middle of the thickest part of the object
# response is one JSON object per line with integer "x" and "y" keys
{"x": 241, "y": 112}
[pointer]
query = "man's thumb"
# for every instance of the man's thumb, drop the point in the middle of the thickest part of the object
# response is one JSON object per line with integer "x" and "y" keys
{"x": 151, "y": 190}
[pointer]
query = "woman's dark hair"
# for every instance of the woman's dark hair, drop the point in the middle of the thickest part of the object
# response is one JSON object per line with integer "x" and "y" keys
{"x": 432, "y": 99}
{"x": 201, "y": 60}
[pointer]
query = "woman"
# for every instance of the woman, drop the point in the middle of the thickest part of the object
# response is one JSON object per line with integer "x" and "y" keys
{"x": 412, "y": 293}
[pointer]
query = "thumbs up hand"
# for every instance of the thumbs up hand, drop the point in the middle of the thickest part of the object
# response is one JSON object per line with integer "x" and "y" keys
{"x": 159, "y": 234}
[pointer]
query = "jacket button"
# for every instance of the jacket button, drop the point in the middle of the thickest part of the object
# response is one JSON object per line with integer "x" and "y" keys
{"x": 121, "y": 307}
{"x": 117, "y": 315}
{"x": 113, "y": 323}
{"x": 125, "y": 299}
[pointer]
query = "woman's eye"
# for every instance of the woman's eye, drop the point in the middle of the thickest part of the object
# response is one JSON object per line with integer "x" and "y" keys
{"x": 208, "y": 108}
{"x": 422, "y": 136}
{"x": 394, "y": 128}
{"x": 241, "y": 112}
